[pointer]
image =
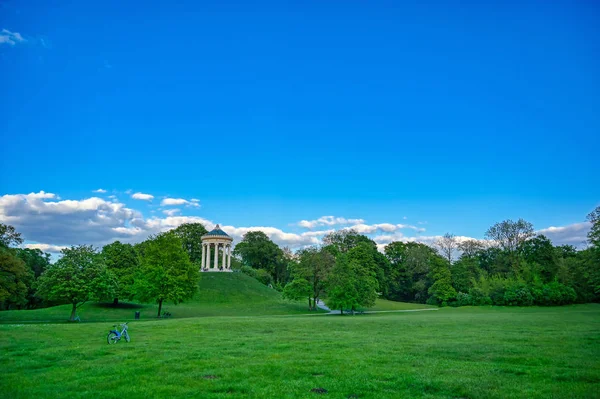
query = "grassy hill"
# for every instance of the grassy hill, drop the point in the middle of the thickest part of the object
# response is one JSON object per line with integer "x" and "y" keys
{"x": 219, "y": 294}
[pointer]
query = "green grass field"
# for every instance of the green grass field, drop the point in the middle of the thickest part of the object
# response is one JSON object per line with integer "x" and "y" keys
{"x": 238, "y": 338}
{"x": 450, "y": 353}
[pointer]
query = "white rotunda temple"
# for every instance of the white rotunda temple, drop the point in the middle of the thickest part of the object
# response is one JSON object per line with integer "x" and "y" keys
{"x": 216, "y": 239}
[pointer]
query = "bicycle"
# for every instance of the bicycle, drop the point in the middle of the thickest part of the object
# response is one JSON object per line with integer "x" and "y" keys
{"x": 115, "y": 336}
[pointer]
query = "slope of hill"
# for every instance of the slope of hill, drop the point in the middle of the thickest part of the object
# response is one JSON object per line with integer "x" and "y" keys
{"x": 219, "y": 294}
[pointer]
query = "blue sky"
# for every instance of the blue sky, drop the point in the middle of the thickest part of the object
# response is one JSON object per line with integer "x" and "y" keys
{"x": 444, "y": 117}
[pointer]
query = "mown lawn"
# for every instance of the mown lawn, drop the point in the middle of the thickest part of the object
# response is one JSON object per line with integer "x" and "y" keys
{"x": 450, "y": 353}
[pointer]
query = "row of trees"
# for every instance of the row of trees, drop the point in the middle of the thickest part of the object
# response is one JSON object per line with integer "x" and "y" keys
{"x": 513, "y": 266}
{"x": 162, "y": 268}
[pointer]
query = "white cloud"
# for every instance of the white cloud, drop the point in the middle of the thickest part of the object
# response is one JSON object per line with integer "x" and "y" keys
{"x": 328, "y": 221}
{"x": 11, "y": 38}
{"x": 39, "y": 217}
{"x": 574, "y": 234}
{"x": 278, "y": 236}
{"x": 142, "y": 196}
{"x": 48, "y": 223}
{"x": 100, "y": 191}
{"x": 194, "y": 203}
{"x": 171, "y": 212}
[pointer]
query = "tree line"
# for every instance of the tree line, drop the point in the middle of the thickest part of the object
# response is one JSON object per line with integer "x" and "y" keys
{"x": 512, "y": 266}
{"x": 165, "y": 267}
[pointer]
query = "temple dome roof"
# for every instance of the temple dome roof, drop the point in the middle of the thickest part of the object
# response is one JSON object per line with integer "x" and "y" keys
{"x": 217, "y": 232}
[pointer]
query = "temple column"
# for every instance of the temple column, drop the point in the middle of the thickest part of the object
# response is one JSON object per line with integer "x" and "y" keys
{"x": 229, "y": 257}
{"x": 207, "y": 263}
{"x": 203, "y": 256}
{"x": 224, "y": 252}
{"x": 216, "y": 257}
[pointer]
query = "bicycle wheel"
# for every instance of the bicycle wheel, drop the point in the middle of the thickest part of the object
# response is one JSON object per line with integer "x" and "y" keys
{"x": 126, "y": 335}
{"x": 112, "y": 338}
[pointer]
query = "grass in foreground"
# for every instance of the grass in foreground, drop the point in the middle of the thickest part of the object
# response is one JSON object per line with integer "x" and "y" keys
{"x": 450, "y": 353}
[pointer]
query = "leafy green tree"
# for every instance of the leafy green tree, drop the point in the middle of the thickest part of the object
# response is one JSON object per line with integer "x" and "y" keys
{"x": 463, "y": 272}
{"x": 36, "y": 260}
{"x": 297, "y": 289}
{"x": 314, "y": 265}
{"x": 165, "y": 272}
{"x": 441, "y": 290}
{"x": 509, "y": 235}
{"x": 594, "y": 234}
{"x": 15, "y": 279}
{"x": 259, "y": 252}
{"x": 342, "y": 292}
{"x": 80, "y": 275}
{"x": 9, "y": 236}
{"x": 409, "y": 277}
{"x": 540, "y": 250}
{"x": 122, "y": 260}
{"x": 346, "y": 239}
{"x": 353, "y": 283}
{"x": 190, "y": 235}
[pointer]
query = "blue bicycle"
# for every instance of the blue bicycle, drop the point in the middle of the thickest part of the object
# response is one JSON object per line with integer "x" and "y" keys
{"x": 115, "y": 336}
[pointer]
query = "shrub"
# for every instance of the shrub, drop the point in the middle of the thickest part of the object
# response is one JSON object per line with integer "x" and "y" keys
{"x": 463, "y": 299}
{"x": 263, "y": 276}
{"x": 247, "y": 270}
{"x": 518, "y": 295}
{"x": 479, "y": 298}
{"x": 555, "y": 293}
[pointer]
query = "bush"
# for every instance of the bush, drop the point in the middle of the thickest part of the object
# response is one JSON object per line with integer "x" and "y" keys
{"x": 479, "y": 298}
{"x": 263, "y": 276}
{"x": 432, "y": 300}
{"x": 247, "y": 270}
{"x": 463, "y": 299}
{"x": 555, "y": 293}
{"x": 518, "y": 295}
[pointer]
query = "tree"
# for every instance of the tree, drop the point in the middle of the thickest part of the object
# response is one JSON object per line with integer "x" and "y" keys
{"x": 346, "y": 239}
{"x": 470, "y": 248}
{"x": 314, "y": 265}
{"x": 509, "y": 236}
{"x": 190, "y": 235}
{"x": 463, "y": 272}
{"x": 441, "y": 290}
{"x": 80, "y": 275}
{"x": 9, "y": 236}
{"x": 15, "y": 279}
{"x": 410, "y": 264}
{"x": 259, "y": 252}
{"x": 540, "y": 251}
{"x": 353, "y": 282}
{"x": 165, "y": 272}
{"x": 594, "y": 234}
{"x": 122, "y": 261}
{"x": 298, "y": 289}
{"x": 446, "y": 245}
{"x": 36, "y": 260}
